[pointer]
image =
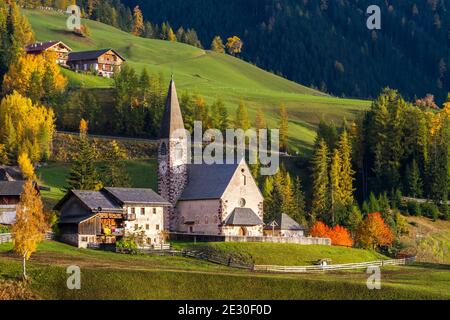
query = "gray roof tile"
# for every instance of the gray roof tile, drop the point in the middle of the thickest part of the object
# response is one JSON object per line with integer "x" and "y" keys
{"x": 11, "y": 188}
{"x": 136, "y": 196}
{"x": 285, "y": 222}
{"x": 90, "y": 55}
{"x": 243, "y": 217}
{"x": 95, "y": 200}
{"x": 208, "y": 181}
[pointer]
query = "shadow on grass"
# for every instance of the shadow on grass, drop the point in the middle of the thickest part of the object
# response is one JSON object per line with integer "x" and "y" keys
{"x": 429, "y": 265}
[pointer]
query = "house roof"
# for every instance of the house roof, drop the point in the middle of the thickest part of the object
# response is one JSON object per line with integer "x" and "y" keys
{"x": 11, "y": 188}
{"x": 75, "y": 218}
{"x": 90, "y": 55}
{"x": 95, "y": 201}
{"x": 172, "y": 118}
{"x": 208, "y": 181}
{"x": 8, "y": 173}
{"x": 285, "y": 222}
{"x": 243, "y": 217}
{"x": 42, "y": 46}
{"x": 136, "y": 196}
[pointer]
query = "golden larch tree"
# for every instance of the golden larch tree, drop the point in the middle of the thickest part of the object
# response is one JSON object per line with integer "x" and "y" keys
{"x": 138, "y": 22}
{"x": 26, "y": 166}
{"x": 30, "y": 226}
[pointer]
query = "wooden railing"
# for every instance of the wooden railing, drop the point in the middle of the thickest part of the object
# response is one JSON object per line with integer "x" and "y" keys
{"x": 7, "y": 237}
{"x": 335, "y": 267}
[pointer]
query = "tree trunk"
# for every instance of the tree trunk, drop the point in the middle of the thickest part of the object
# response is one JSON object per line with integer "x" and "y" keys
{"x": 24, "y": 269}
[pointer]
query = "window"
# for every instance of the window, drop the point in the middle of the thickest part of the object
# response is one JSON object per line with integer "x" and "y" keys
{"x": 136, "y": 227}
{"x": 84, "y": 239}
{"x": 242, "y": 202}
{"x": 206, "y": 220}
{"x": 143, "y": 211}
{"x": 157, "y": 227}
{"x": 133, "y": 210}
{"x": 154, "y": 210}
{"x": 191, "y": 229}
{"x": 163, "y": 150}
{"x": 147, "y": 227}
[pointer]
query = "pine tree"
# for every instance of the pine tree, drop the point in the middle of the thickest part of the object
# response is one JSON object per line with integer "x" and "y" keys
{"x": 354, "y": 219}
{"x": 288, "y": 205}
{"x": 260, "y": 121}
{"x": 335, "y": 182}
{"x": 346, "y": 173}
{"x": 284, "y": 127}
{"x": 242, "y": 121}
{"x": 413, "y": 180}
{"x": 217, "y": 45}
{"x": 113, "y": 171}
{"x": 321, "y": 182}
{"x": 83, "y": 175}
{"x": 222, "y": 114}
{"x": 299, "y": 198}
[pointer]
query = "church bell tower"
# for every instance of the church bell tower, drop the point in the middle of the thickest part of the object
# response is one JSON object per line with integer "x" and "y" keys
{"x": 172, "y": 156}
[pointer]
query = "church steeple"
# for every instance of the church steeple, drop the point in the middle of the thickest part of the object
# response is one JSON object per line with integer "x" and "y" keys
{"x": 172, "y": 156}
{"x": 172, "y": 119}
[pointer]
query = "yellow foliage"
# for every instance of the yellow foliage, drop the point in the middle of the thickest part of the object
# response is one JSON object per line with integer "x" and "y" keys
{"x": 29, "y": 73}
{"x": 26, "y": 166}
{"x": 234, "y": 45}
{"x": 83, "y": 127}
{"x": 30, "y": 226}
{"x": 26, "y": 127}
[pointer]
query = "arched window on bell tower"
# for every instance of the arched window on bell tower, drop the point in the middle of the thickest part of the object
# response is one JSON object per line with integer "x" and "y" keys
{"x": 163, "y": 150}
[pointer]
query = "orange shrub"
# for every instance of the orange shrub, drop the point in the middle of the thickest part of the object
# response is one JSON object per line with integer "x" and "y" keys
{"x": 339, "y": 235}
{"x": 373, "y": 232}
{"x": 320, "y": 230}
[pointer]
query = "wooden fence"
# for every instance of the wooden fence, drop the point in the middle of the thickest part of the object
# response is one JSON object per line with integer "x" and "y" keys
{"x": 7, "y": 237}
{"x": 332, "y": 267}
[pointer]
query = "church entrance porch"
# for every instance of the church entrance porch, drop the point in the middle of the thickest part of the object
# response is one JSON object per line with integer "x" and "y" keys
{"x": 242, "y": 231}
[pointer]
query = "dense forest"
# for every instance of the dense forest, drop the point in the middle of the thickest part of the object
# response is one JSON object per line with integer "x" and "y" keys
{"x": 326, "y": 44}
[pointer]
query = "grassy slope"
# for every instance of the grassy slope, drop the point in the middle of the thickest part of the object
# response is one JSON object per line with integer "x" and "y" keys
{"x": 430, "y": 240}
{"x": 288, "y": 254}
{"x": 142, "y": 175}
{"x": 210, "y": 74}
{"x": 112, "y": 276}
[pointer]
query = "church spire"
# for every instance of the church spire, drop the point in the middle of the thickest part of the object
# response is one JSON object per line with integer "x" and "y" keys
{"x": 172, "y": 119}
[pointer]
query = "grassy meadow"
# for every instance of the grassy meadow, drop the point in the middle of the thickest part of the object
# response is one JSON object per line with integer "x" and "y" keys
{"x": 285, "y": 254}
{"x": 54, "y": 175}
{"x": 210, "y": 74}
{"x": 111, "y": 276}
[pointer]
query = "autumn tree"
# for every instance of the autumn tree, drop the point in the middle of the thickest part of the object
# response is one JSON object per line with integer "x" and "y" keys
{"x": 319, "y": 230}
{"x": 338, "y": 235}
{"x": 138, "y": 22}
{"x": 35, "y": 76}
{"x": 26, "y": 127}
{"x": 3, "y": 155}
{"x": 373, "y": 232}
{"x": 26, "y": 167}
{"x": 242, "y": 120}
{"x": 234, "y": 45}
{"x": 30, "y": 226}
{"x": 217, "y": 45}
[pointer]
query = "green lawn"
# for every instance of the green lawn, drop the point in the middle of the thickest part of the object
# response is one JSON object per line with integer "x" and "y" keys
{"x": 285, "y": 254}
{"x": 112, "y": 276}
{"x": 142, "y": 175}
{"x": 211, "y": 74}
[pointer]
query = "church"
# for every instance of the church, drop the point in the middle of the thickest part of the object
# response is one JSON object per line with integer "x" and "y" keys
{"x": 217, "y": 199}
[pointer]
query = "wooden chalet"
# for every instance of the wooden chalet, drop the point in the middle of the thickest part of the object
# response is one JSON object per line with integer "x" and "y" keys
{"x": 104, "y": 62}
{"x": 60, "y": 48}
{"x": 94, "y": 218}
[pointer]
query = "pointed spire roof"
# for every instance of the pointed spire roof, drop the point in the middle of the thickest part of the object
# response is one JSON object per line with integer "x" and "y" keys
{"x": 172, "y": 119}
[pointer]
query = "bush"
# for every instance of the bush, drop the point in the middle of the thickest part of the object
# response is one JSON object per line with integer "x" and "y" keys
{"x": 4, "y": 229}
{"x": 430, "y": 210}
{"x": 127, "y": 245}
{"x": 414, "y": 208}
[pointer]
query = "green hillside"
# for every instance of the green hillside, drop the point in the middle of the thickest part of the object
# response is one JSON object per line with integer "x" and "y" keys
{"x": 210, "y": 74}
